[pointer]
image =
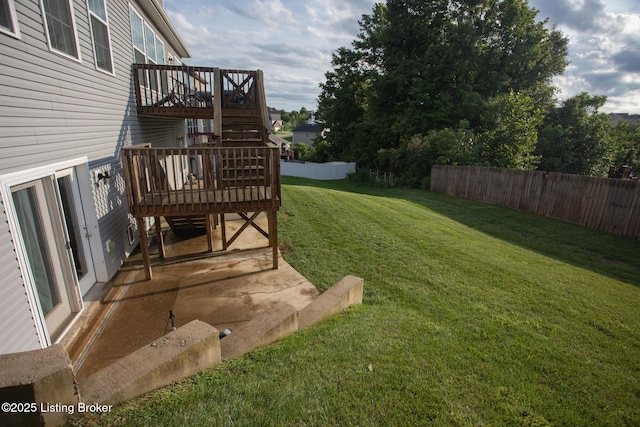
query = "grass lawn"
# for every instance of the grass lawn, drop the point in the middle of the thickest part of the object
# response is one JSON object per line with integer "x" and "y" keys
{"x": 473, "y": 315}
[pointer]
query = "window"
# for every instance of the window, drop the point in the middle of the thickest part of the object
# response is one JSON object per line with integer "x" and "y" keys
{"x": 159, "y": 51}
{"x": 147, "y": 46}
{"x": 147, "y": 49}
{"x": 150, "y": 43}
{"x": 61, "y": 27}
{"x": 192, "y": 126}
{"x": 100, "y": 35}
{"x": 137, "y": 35}
{"x": 8, "y": 21}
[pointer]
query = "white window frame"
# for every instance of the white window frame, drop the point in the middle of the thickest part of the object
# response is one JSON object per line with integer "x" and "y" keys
{"x": 93, "y": 41}
{"x": 147, "y": 28}
{"x": 157, "y": 40}
{"x": 14, "y": 20}
{"x": 75, "y": 32}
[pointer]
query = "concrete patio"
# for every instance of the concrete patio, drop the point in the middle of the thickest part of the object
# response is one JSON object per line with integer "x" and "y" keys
{"x": 222, "y": 289}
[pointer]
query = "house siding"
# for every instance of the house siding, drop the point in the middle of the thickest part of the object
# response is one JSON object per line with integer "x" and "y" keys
{"x": 53, "y": 109}
{"x": 307, "y": 138}
{"x": 18, "y": 332}
{"x": 305, "y": 133}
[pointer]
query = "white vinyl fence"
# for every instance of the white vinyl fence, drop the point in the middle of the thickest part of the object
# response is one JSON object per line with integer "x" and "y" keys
{"x": 321, "y": 171}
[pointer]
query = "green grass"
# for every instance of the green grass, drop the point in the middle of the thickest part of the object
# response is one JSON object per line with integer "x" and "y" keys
{"x": 472, "y": 315}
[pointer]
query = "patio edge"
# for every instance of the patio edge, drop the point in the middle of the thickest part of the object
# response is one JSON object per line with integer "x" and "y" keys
{"x": 172, "y": 357}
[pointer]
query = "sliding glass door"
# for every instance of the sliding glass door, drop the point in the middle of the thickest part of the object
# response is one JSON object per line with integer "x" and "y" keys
{"x": 38, "y": 237}
{"x": 56, "y": 247}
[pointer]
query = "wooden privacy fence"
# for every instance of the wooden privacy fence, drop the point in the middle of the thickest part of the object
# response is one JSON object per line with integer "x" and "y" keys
{"x": 610, "y": 205}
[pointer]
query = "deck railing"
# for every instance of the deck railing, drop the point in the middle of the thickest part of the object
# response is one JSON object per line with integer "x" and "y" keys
{"x": 185, "y": 91}
{"x": 174, "y": 90}
{"x": 202, "y": 180}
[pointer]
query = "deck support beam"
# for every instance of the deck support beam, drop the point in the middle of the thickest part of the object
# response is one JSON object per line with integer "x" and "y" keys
{"x": 217, "y": 106}
{"x": 144, "y": 248}
{"x": 273, "y": 236}
{"x": 209, "y": 226}
{"x": 159, "y": 238}
{"x": 248, "y": 221}
{"x": 223, "y": 230}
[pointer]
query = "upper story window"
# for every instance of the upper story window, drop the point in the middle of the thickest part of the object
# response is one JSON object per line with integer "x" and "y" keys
{"x": 8, "y": 20}
{"x": 147, "y": 46}
{"x": 60, "y": 27}
{"x": 100, "y": 35}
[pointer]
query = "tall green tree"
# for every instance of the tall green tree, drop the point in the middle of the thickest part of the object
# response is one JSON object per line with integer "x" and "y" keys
{"x": 511, "y": 121}
{"x": 626, "y": 137}
{"x": 576, "y": 137}
{"x": 419, "y": 66}
{"x": 342, "y": 103}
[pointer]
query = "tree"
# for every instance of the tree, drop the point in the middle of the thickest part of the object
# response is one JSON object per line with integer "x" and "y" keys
{"x": 421, "y": 66}
{"x": 300, "y": 150}
{"x": 294, "y": 118}
{"x": 342, "y": 103}
{"x": 411, "y": 163}
{"x": 511, "y": 121}
{"x": 576, "y": 138}
{"x": 626, "y": 138}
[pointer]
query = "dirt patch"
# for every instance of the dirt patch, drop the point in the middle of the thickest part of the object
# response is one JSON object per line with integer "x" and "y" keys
{"x": 284, "y": 248}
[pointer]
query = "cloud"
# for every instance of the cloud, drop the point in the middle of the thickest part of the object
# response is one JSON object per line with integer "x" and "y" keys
{"x": 269, "y": 12}
{"x": 339, "y": 17}
{"x": 603, "y": 53}
{"x": 589, "y": 15}
{"x": 628, "y": 60}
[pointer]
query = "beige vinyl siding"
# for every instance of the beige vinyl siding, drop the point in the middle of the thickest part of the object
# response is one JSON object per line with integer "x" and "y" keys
{"x": 52, "y": 109}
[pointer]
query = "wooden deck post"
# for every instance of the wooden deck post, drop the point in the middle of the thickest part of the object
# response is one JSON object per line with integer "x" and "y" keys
{"x": 209, "y": 225}
{"x": 144, "y": 249}
{"x": 273, "y": 236}
{"x": 159, "y": 237}
{"x": 217, "y": 106}
{"x": 223, "y": 230}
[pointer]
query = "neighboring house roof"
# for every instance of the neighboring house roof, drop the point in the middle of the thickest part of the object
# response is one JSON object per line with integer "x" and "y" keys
{"x": 156, "y": 13}
{"x": 307, "y": 127}
{"x": 619, "y": 117}
{"x": 278, "y": 140}
{"x": 275, "y": 115}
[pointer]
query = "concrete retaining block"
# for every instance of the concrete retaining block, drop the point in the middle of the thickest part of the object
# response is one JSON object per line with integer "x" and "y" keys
{"x": 272, "y": 325}
{"x": 340, "y": 296}
{"x": 38, "y": 387}
{"x": 175, "y": 356}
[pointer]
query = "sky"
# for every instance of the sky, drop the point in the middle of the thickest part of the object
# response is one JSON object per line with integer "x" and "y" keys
{"x": 292, "y": 41}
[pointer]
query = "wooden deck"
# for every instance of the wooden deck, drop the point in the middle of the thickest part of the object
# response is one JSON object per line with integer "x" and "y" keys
{"x": 203, "y": 181}
{"x": 235, "y": 172}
